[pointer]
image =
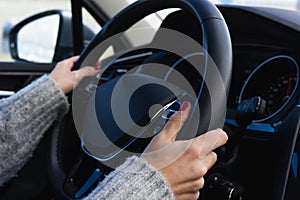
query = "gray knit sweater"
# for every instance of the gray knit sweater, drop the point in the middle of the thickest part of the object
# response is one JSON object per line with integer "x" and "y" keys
{"x": 25, "y": 117}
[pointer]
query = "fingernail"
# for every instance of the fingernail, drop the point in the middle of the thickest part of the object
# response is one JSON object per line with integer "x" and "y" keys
{"x": 185, "y": 105}
{"x": 97, "y": 67}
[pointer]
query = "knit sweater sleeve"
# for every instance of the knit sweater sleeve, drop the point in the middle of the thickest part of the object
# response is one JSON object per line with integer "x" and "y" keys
{"x": 135, "y": 179}
{"x": 24, "y": 118}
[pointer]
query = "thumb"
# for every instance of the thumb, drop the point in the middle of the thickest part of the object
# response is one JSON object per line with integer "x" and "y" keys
{"x": 171, "y": 129}
{"x": 71, "y": 61}
{"x": 176, "y": 122}
{"x": 86, "y": 71}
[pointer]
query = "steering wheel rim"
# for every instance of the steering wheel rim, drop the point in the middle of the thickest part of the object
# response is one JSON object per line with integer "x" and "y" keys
{"x": 218, "y": 48}
{"x": 209, "y": 17}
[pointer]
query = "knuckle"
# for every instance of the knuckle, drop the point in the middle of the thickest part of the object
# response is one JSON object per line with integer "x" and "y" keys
{"x": 201, "y": 183}
{"x": 214, "y": 157}
{"x": 196, "y": 195}
{"x": 202, "y": 170}
{"x": 193, "y": 150}
{"x": 199, "y": 171}
{"x": 198, "y": 185}
{"x": 223, "y": 135}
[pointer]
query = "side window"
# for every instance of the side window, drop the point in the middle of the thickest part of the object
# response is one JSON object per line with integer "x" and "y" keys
{"x": 14, "y": 11}
{"x": 93, "y": 25}
{"x": 90, "y": 22}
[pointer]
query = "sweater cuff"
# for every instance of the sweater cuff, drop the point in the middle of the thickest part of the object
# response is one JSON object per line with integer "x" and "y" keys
{"x": 134, "y": 179}
{"x": 51, "y": 94}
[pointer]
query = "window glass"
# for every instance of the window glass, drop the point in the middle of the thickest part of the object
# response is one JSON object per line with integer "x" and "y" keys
{"x": 90, "y": 22}
{"x": 284, "y": 4}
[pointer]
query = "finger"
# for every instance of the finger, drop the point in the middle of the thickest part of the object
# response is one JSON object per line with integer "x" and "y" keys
{"x": 207, "y": 162}
{"x": 198, "y": 168}
{"x": 72, "y": 59}
{"x": 96, "y": 67}
{"x": 188, "y": 196}
{"x": 98, "y": 63}
{"x": 70, "y": 62}
{"x": 176, "y": 121}
{"x": 189, "y": 187}
{"x": 210, "y": 141}
{"x": 86, "y": 71}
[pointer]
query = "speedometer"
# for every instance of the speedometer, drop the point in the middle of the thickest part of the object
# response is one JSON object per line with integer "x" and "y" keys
{"x": 275, "y": 80}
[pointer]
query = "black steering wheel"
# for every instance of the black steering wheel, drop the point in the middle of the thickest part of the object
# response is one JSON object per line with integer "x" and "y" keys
{"x": 211, "y": 101}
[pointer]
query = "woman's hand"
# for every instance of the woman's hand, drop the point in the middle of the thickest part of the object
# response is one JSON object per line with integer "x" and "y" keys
{"x": 184, "y": 163}
{"x": 68, "y": 79}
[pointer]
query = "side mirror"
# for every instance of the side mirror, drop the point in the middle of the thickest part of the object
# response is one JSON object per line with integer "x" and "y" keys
{"x": 45, "y": 37}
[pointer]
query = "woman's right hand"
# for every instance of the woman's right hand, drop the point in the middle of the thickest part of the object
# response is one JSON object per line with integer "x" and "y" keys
{"x": 184, "y": 163}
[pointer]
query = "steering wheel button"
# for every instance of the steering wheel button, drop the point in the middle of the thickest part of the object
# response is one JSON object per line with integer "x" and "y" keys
{"x": 91, "y": 88}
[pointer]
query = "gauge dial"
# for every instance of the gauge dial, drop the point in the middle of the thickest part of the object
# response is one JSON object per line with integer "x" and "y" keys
{"x": 279, "y": 91}
{"x": 275, "y": 80}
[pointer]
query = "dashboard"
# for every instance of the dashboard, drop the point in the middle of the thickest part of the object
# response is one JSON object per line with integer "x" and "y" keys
{"x": 266, "y": 63}
{"x": 266, "y": 58}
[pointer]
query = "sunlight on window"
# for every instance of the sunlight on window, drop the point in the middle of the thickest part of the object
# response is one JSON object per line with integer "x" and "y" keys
{"x": 286, "y": 4}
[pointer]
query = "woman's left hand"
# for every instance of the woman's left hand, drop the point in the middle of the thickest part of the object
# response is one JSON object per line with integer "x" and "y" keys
{"x": 67, "y": 79}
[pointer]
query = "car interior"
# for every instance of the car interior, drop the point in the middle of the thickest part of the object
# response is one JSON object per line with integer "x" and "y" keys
{"x": 244, "y": 79}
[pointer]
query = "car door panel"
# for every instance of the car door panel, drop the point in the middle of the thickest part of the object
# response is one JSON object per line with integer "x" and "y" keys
{"x": 14, "y": 76}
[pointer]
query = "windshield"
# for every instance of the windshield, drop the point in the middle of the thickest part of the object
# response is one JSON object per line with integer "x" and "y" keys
{"x": 284, "y": 4}
{"x": 111, "y": 7}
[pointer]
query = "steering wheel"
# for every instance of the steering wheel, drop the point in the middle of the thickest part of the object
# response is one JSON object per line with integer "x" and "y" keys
{"x": 211, "y": 100}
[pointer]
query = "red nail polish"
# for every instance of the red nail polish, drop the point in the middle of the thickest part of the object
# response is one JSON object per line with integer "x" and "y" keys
{"x": 97, "y": 67}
